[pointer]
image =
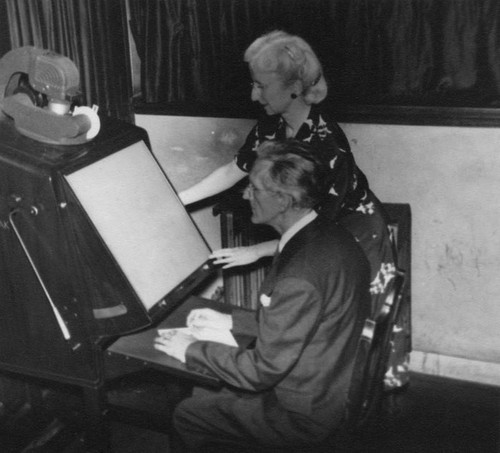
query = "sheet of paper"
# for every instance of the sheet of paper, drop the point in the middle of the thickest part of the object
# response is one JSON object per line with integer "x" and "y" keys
{"x": 223, "y": 336}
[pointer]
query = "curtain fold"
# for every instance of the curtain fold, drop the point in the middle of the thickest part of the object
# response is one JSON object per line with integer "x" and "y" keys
{"x": 411, "y": 41}
{"x": 379, "y": 52}
{"x": 92, "y": 33}
{"x": 490, "y": 18}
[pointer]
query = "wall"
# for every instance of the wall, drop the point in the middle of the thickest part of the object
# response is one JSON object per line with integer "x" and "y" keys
{"x": 450, "y": 176}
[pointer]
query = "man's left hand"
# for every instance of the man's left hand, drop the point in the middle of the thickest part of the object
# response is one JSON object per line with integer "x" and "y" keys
{"x": 174, "y": 343}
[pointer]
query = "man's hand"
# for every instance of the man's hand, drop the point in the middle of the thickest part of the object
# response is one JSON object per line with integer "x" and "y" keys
{"x": 206, "y": 317}
{"x": 174, "y": 343}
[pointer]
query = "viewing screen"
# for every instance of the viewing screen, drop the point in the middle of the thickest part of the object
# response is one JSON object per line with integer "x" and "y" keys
{"x": 141, "y": 220}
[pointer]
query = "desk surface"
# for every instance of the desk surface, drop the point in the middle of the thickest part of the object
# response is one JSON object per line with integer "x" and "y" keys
{"x": 137, "y": 350}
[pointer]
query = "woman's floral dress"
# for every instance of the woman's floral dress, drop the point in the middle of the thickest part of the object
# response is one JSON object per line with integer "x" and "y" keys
{"x": 351, "y": 203}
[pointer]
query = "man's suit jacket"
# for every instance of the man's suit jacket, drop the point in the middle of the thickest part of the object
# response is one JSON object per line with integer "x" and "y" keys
{"x": 314, "y": 302}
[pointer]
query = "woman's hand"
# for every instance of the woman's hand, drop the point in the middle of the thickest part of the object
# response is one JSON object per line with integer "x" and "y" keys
{"x": 184, "y": 197}
{"x": 206, "y": 317}
{"x": 238, "y": 256}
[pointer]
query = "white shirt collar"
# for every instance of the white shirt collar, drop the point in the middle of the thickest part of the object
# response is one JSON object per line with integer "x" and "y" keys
{"x": 295, "y": 228}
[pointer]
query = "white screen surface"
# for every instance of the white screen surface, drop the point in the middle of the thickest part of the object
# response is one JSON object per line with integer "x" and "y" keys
{"x": 141, "y": 220}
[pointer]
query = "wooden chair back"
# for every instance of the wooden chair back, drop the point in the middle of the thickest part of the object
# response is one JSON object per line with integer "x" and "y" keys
{"x": 371, "y": 361}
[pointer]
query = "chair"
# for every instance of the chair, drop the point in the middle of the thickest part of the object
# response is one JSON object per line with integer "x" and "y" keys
{"x": 366, "y": 390}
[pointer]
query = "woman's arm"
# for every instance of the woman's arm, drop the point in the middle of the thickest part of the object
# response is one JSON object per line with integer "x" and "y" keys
{"x": 219, "y": 180}
{"x": 240, "y": 256}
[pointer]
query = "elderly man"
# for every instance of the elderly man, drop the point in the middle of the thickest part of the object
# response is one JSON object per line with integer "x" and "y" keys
{"x": 289, "y": 388}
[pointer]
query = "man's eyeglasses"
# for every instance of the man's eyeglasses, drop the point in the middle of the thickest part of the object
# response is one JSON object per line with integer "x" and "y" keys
{"x": 251, "y": 190}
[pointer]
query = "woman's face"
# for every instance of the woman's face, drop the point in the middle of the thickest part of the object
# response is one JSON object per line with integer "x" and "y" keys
{"x": 269, "y": 91}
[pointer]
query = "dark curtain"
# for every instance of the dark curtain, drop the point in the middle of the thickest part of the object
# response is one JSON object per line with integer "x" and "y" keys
{"x": 92, "y": 33}
{"x": 427, "y": 52}
{"x": 413, "y": 52}
{"x": 192, "y": 50}
{"x": 4, "y": 30}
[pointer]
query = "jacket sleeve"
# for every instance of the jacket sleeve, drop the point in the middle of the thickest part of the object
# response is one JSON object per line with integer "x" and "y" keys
{"x": 244, "y": 322}
{"x": 285, "y": 327}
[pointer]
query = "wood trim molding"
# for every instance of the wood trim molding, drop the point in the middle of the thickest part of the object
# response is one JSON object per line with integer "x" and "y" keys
{"x": 378, "y": 114}
{"x": 416, "y": 115}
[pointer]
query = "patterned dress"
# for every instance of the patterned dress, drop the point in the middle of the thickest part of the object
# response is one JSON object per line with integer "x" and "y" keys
{"x": 351, "y": 202}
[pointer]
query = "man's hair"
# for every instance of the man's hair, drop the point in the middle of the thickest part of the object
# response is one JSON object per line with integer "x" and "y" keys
{"x": 292, "y": 59}
{"x": 295, "y": 168}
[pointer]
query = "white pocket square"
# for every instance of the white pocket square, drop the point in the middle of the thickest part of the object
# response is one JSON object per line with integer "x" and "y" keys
{"x": 265, "y": 300}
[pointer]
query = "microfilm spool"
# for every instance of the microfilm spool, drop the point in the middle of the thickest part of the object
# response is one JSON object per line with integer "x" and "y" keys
{"x": 91, "y": 114}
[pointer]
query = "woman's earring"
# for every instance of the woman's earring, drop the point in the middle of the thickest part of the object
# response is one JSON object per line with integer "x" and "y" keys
{"x": 293, "y": 96}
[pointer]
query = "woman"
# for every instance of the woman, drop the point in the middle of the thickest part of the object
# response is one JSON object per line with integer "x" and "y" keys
{"x": 288, "y": 82}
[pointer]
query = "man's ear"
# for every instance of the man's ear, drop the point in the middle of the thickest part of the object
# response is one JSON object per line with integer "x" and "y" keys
{"x": 298, "y": 87}
{"x": 285, "y": 201}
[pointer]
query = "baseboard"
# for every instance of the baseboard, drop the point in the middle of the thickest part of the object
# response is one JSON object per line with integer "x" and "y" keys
{"x": 455, "y": 368}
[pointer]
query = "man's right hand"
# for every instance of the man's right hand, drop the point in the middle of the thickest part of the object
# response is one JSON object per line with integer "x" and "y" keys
{"x": 206, "y": 317}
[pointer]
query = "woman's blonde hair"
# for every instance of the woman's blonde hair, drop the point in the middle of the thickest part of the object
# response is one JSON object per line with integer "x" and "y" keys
{"x": 292, "y": 59}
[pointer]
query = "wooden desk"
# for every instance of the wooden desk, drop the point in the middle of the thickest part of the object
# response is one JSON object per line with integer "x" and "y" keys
{"x": 134, "y": 352}
{"x": 135, "y": 356}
